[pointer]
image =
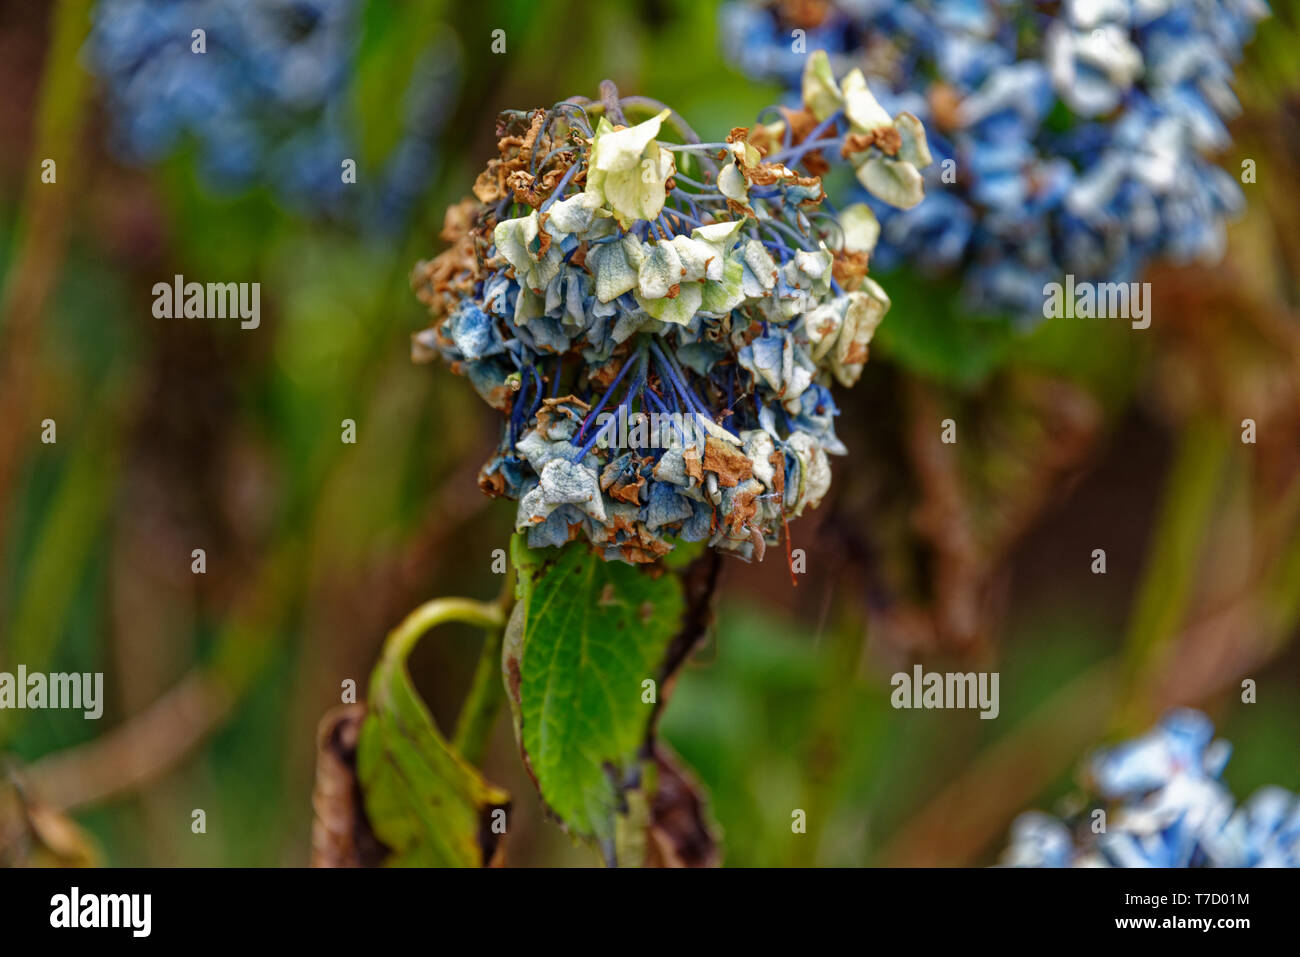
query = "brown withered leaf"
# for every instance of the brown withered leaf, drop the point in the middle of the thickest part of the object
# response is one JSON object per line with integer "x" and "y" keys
{"x": 680, "y": 831}
{"x": 849, "y": 268}
{"x": 887, "y": 138}
{"x": 341, "y": 835}
{"x": 626, "y": 490}
{"x": 691, "y": 457}
{"x": 730, "y": 464}
{"x": 441, "y": 282}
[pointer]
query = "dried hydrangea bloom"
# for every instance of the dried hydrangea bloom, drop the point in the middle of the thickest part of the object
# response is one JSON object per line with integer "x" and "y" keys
{"x": 660, "y": 320}
{"x": 1069, "y": 138}
{"x": 1167, "y": 808}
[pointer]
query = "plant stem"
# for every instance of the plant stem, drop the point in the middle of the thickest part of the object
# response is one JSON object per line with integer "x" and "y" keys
{"x": 40, "y": 237}
{"x": 610, "y": 100}
{"x": 479, "y": 712}
{"x": 487, "y": 691}
{"x": 439, "y": 611}
{"x": 1168, "y": 584}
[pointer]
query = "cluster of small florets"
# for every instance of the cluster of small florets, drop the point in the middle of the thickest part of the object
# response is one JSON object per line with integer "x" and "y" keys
{"x": 660, "y": 320}
{"x": 1069, "y": 138}
{"x": 259, "y": 88}
{"x": 1167, "y": 808}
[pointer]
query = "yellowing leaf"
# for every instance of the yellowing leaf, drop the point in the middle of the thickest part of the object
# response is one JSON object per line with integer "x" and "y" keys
{"x": 425, "y": 802}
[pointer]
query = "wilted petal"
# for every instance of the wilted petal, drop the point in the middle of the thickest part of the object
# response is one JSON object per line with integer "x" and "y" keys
{"x": 896, "y": 182}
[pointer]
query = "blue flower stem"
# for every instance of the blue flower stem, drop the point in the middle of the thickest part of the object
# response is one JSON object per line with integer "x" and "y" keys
{"x": 591, "y": 416}
{"x": 539, "y": 391}
{"x": 559, "y": 187}
{"x": 620, "y": 408}
{"x": 810, "y": 142}
{"x": 689, "y": 220}
{"x": 678, "y": 379}
{"x": 683, "y": 178}
{"x": 789, "y": 231}
{"x": 586, "y": 120}
{"x": 658, "y": 406}
{"x": 541, "y": 164}
{"x": 781, "y": 248}
{"x": 689, "y": 199}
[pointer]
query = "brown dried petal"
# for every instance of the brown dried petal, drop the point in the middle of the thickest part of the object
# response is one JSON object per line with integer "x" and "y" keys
{"x": 726, "y": 461}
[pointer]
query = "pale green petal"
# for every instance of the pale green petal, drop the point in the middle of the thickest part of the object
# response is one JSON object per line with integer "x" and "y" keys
{"x": 759, "y": 447}
{"x": 620, "y": 150}
{"x": 725, "y": 295}
{"x": 897, "y": 183}
{"x": 732, "y": 184}
{"x": 864, "y": 113}
{"x": 915, "y": 149}
{"x": 760, "y": 269}
{"x": 723, "y": 232}
{"x": 698, "y": 260}
{"x": 514, "y": 237}
{"x": 704, "y": 252}
{"x": 528, "y": 305}
{"x": 680, "y": 309}
{"x": 638, "y": 192}
{"x": 661, "y": 270}
{"x": 821, "y": 94}
{"x": 822, "y": 326}
{"x": 573, "y": 215}
{"x": 865, "y": 311}
{"x": 861, "y": 228}
{"x": 814, "y": 472}
{"x": 808, "y": 269}
{"x": 517, "y": 240}
{"x": 615, "y": 266}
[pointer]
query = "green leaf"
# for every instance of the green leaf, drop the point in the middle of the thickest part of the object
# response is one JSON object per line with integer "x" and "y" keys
{"x": 424, "y": 801}
{"x": 584, "y": 636}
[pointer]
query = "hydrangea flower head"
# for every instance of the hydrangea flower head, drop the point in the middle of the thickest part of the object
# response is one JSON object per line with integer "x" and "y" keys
{"x": 660, "y": 320}
{"x": 1071, "y": 138}
{"x": 1168, "y": 808}
{"x": 264, "y": 101}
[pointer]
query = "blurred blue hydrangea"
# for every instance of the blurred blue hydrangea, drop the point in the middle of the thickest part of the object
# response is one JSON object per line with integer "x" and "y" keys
{"x": 266, "y": 102}
{"x": 1068, "y": 137}
{"x": 1166, "y": 807}
{"x": 604, "y": 277}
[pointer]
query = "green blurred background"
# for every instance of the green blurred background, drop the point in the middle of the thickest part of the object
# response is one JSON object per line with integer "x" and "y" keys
{"x": 174, "y": 435}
